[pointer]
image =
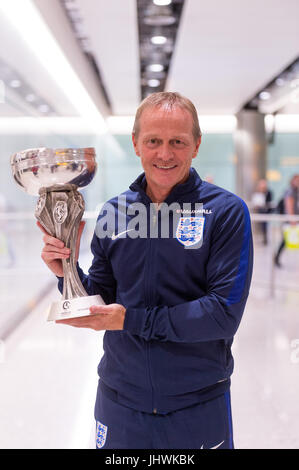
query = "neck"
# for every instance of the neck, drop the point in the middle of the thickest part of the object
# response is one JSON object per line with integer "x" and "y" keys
{"x": 157, "y": 197}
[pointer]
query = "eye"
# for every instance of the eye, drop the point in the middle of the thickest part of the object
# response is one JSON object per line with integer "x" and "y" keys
{"x": 178, "y": 143}
{"x": 153, "y": 142}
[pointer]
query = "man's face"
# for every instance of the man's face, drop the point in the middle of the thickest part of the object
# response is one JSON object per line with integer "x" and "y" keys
{"x": 166, "y": 146}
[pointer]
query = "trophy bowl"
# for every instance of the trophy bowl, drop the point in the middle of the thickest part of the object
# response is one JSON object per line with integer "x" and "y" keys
{"x": 38, "y": 168}
{"x": 54, "y": 175}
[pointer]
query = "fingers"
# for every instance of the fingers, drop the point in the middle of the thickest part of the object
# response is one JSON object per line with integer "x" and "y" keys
{"x": 55, "y": 249}
{"x": 80, "y": 322}
{"x": 50, "y": 252}
{"x": 49, "y": 240}
{"x": 103, "y": 317}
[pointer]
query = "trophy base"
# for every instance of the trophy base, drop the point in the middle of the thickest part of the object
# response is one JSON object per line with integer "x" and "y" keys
{"x": 73, "y": 308}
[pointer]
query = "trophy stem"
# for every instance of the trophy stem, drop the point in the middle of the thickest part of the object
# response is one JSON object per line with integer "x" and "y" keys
{"x": 59, "y": 210}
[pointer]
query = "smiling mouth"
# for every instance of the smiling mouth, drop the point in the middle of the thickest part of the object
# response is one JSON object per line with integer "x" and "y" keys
{"x": 165, "y": 167}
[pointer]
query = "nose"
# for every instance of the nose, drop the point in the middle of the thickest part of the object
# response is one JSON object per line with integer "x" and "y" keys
{"x": 165, "y": 152}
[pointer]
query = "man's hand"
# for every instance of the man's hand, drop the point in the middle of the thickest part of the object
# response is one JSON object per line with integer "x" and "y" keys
{"x": 103, "y": 317}
{"x": 54, "y": 250}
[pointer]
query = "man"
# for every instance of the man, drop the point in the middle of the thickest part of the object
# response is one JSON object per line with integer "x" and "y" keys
{"x": 262, "y": 204}
{"x": 174, "y": 302}
{"x": 290, "y": 206}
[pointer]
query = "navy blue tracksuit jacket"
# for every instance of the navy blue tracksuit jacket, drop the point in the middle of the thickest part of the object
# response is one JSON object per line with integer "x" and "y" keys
{"x": 183, "y": 305}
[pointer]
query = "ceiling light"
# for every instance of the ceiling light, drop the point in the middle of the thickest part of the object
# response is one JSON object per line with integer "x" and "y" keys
{"x": 30, "y": 24}
{"x": 160, "y": 20}
{"x": 30, "y": 98}
{"x": 278, "y": 93}
{"x": 15, "y": 83}
{"x": 277, "y": 103}
{"x": 158, "y": 40}
{"x": 153, "y": 75}
{"x": 153, "y": 82}
{"x": 279, "y": 81}
{"x": 264, "y": 95}
{"x": 44, "y": 108}
{"x": 155, "y": 68}
{"x": 162, "y": 2}
{"x": 158, "y": 16}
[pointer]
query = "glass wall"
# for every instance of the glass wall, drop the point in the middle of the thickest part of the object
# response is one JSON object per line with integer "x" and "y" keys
{"x": 215, "y": 158}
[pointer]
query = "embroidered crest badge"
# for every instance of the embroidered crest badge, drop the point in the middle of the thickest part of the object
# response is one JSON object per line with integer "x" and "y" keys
{"x": 190, "y": 230}
{"x": 101, "y": 434}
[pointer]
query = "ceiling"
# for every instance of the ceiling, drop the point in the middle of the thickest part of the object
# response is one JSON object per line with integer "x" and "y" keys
{"x": 225, "y": 52}
{"x": 232, "y": 49}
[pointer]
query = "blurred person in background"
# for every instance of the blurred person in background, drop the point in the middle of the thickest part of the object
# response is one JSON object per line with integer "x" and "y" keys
{"x": 261, "y": 203}
{"x": 289, "y": 205}
{"x": 171, "y": 312}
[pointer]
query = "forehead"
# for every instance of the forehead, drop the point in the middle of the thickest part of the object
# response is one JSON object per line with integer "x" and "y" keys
{"x": 160, "y": 119}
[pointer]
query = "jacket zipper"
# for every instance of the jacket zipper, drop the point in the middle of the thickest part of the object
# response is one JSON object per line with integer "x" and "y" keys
{"x": 148, "y": 283}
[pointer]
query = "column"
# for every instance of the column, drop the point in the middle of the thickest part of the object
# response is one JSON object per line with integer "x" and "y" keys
{"x": 251, "y": 152}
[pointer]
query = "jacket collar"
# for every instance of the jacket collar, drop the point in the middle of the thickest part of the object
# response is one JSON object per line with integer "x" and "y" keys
{"x": 192, "y": 183}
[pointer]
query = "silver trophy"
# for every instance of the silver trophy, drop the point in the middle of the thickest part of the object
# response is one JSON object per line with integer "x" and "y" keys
{"x": 54, "y": 175}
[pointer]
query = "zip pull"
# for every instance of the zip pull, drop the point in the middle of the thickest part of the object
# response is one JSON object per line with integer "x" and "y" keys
{"x": 155, "y": 216}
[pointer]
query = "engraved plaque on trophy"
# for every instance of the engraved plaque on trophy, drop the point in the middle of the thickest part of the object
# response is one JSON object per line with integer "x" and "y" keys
{"x": 55, "y": 176}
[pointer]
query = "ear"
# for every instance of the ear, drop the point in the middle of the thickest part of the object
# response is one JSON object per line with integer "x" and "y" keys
{"x": 196, "y": 147}
{"x": 134, "y": 140}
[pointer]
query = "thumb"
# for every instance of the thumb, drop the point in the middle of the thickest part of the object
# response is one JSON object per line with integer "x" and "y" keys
{"x": 81, "y": 228}
{"x": 100, "y": 309}
{"x": 42, "y": 228}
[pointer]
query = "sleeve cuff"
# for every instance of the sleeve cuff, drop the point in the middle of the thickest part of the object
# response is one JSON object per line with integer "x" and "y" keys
{"x": 134, "y": 320}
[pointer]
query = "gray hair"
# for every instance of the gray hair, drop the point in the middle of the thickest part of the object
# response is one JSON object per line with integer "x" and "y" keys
{"x": 168, "y": 101}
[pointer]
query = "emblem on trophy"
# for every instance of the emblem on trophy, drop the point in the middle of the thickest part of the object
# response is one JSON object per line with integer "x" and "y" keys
{"x": 55, "y": 176}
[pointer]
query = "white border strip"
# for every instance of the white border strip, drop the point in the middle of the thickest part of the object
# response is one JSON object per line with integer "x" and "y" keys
{"x": 286, "y": 123}
{"x": 213, "y": 124}
{"x": 49, "y": 125}
{"x": 123, "y": 125}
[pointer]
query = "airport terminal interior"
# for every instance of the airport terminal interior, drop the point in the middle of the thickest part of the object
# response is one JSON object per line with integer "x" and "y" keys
{"x": 72, "y": 74}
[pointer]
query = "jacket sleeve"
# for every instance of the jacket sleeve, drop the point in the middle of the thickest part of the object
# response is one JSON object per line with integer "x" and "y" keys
{"x": 217, "y": 314}
{"x": 100, "y": 278}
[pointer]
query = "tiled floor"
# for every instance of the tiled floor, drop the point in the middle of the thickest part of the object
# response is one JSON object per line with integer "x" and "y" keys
{"x": 265, "y": 384}
{"x": 48, "y": 372}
